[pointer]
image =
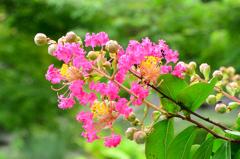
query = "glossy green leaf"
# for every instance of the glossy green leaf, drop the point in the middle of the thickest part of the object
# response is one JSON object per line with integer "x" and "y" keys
{"x": 237, "y": 133}
{"x": 217, "y": 142}
{"x": 171, "y": 85}
{"x": 181, "y": 145}
{"x": 159, "y": 140}
{"x": 237, "y": 155}
{"x": 205, "y": 150}
{"x": 195, "y": 95}
{"x": 193, "y": 150}
{"x": 224, "y": 152}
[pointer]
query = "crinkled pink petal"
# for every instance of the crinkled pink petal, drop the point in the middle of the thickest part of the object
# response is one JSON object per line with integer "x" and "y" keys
{"x": 114, "y": 141}
{"x": 53, "y": 75}
{"x": 113, "y": 90}
{"x": 122, "y": 107}
{"x": 66, "y": 102}
{"x": 178, "y": 70}
{"x": 165, "y": 69}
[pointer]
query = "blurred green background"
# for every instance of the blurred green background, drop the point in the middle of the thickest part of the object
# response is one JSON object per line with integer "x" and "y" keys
{"x": 31, "y": 124}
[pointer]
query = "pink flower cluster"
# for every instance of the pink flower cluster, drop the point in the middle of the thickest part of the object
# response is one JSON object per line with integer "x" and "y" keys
{"x": 99, "y": 39}
{"x": 138, "y": 91}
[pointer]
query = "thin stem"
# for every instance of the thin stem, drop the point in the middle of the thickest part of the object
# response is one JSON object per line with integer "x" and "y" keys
{"x": 184, "y": 108}
{"x": 206, "y": 128}
{"x": 144, "y": 116}
{"x": 154, "y": 107}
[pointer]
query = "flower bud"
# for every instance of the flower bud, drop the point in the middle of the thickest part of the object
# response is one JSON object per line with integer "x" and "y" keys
{"x": 223, "y": 69}
{"x": 112, "y": 46}
{"x": 231, "y": 70}
{"x": 114, "y": 113}
{"x": 71, "y": 37}
{"x": 218, "y": 74}
{"x": 92, "y": 55}
{"x": 140, "y": 137}
{"x": 232, "y": 88}
{"x": 136, "y": 122}
{"x": 193, "y": 65}
{"x": 236, "y": 78}
{"x": 61, "y": 40}
{"x": 107, "y": 65}
{"x": 40, "y": 39}
{"x": 211, "y": 99}
{"x": 205, "y": 69}
{"x": 130, "y": 132}
{"x": 156, "y": 115}
{"x": 194, "y": 79}
{"x": 131, "y": 117}
{"x": 221, "y": 108}
{"x": 52, "y": 48}
{"x": 233, "y": 105}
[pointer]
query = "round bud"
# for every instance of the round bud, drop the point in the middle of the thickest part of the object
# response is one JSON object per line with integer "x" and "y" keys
{"x": 130, "y": 132}
{"x": 112, "y": 46}
{"x": 194, "y": 79}
{"x": 205, "y": 69}
{"x": 232, "y": 88}
{"x": 218, "y": 74}
{"x": 237, "y": 78}
{"x": 114, "y": 113}
{"x": 40, "y": 39}
{"x": 221, "y": 108}
{"x": 203, "y": 66}
{"x": 211, "y": 99}
{"x": 107, "y": 65}
{"x": 61, "y": 40}
{"x": 71, "y": 37}
{"x": 92, "y": 55}
{"x": 52, "y": 48}
{"x": 223, "y": 69}
{"x": 193, "y": 65}
{"x": 140, "y": 137}
{"x": 131, "y": 117}
{"x": 136, "y": 122}
{"x": 231, "y": 70}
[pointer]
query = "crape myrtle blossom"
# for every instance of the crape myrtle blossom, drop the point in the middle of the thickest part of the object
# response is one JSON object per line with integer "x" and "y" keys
{"x": 78, "y": 72}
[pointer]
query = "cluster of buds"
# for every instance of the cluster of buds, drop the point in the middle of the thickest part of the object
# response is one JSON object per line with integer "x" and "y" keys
{"x": 83, "y": 70}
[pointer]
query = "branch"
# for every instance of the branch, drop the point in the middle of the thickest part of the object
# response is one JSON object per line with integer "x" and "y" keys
{"x": 184, "y": 108}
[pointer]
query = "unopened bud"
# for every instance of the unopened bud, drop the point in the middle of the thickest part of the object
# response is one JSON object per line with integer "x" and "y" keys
{"x": 107, "y": 65}
{"x": 221, "y": 108}
{"x": 194, "y": 79}
{"x": 237, "y": 78}
{"x": 232, "y": 88}
{"x": 205, "y": 70}
{"x": 52, "y": 48}
{"x": 231, "y": 70}
{"x": 233, "y": 105}
{"x": 218, "y": 74}
{"x": 211, "y": 99}
{"x": 131, "y": 117}
{"x": 61, "y": 40}
{"x": 92, "y": 55}
{"x": 136, "y": 122}
{"x": 40, "y": 39}
{"x": 193, "y": 65}
{"x": 223, "y": 69}
{"x": 140, "y": 137}
{"x": 130, "y": 132}
{"x": 156, "y": 115}
{"x": 71, "y": 37}
{"x": 114, "y": 113}
{"x": 112, "y": 46}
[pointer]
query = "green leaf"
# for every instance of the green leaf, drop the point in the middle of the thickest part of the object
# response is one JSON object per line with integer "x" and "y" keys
{"x": 238, "y": 121}
{"x": 217, "y": 142}
{"x": 159, "y": 140}
{"x": 181, "y": 145}
{"x": 195, "y": 95}
{"x": 132, "y": 78}
{"x": 193, "y": 150}
{"x": 205, "y": 150}
{"x": 170, "y": 86}
{"x": 95, "y": 77}
{"x": 233, "y": 132}
{"x": 237, "y": 156}
{"x": 224, "y": 152}
{"x": 234, "y": 149}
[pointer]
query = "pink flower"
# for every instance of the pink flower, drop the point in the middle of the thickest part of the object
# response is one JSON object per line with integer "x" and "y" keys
{"x": 91, "y": 40}
{"x": 178, "y": 70}
{"x": 113, "y": 90}
{"x": 122, "y": 107}
{"x": 80, "y": 61}
{"x": 170, "y": 56}
{"x": 102, "y": 37}
{"x": 121, "y": 52}
{"x": 76, "y": 87}
{"x": 66, "y": 102}
{"x": 53, "y": 75}
{"x": 139, "y": 91}
{"x": 99, "y": 87}
{"x": 86, "y": 118}
{"x": 165, "y": 69}
{"x": 114, "y": 141}
{"x": 90, "y": 135}
{"x": 120, "y": 76}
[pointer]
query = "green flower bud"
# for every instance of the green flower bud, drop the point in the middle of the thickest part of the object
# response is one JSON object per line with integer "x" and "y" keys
{"x": 236, "y": 78}
{"x": 231, "y": 70}
{"x": 156, "y": 115}
{"x": 107, "y": 65}
{"x": 211, "y": 99}
{"x": 136, "y": 122}
{"x": 71, "y": 37}
{"x": 92, "y": 55}
{"x": 232, "y": 88}
{"x": 140, "y": 137}
{"x": 218, "y": 74}
{"x": 233, "y": 105}
{"x": 223, "y": 69}
{"x": 40, "y": 39}
{"x": 52, "y": 48}
{"x": 193, "y": 65}
{"x": 112, "y": 46}
{"x": 221, "y": 108}
{"x": 205, "y": 69}
{"x": 130, "y": 132}
{"x": 194, "y": 79}
{"x": 131, "y": 117}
